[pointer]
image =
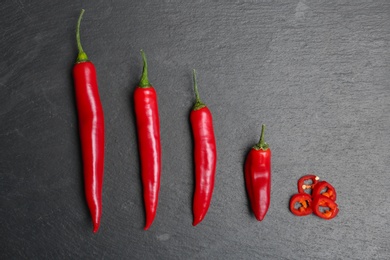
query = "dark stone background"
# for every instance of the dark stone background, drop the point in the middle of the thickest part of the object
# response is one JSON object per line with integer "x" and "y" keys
{"x": 315, "y": 72}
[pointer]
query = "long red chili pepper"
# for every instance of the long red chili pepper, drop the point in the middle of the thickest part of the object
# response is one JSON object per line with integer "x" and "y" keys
{"x": 149, "y": 145}
{"x": 258, "y": 177}
{"x": 91, "y": 128}
{"x": 205, "y": 156}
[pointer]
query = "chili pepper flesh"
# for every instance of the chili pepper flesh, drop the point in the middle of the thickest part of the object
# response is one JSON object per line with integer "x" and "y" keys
{"x": 320, "y": 202}
{"x": 91, "y": 129}
{"x": 149, "y": 144}
{"x": 302, "y": 186}
{"x": 258, "y": 177}
{"x": 205, "y": 156}
{"x": 305, "y": 204}
{"x": 325, "y": 189}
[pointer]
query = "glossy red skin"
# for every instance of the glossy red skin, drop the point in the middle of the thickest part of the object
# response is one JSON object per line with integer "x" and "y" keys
{"x": 91, "y": 128}
{"x": 302, "y": 180}
{"x": 149, "y": 146}
{"x": 299, "y": 198}
{"x": 322, "y": 185}
{"x": 321, "y": 200}
{"x": 205, "y": 159}
{"x": 258, "y": 181}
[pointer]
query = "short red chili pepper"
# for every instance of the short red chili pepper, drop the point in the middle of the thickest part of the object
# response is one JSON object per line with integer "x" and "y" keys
{"x": 91, "y": 128}
{"x": 305, "y": 204}
{"x": 205, "y": 156}
{"x": 258, "y": 177}
{"x": 320, "y": 201}
{"x": 302, "y": 186}
{"x": 325, "y": 189}
{"x": 149, "y": 144}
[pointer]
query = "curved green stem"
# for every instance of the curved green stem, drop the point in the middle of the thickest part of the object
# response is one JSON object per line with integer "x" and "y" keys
{"x": 261, "y": 145}
{"x": 198, "y": 103}
{"x": 144, "y": 82}
{"x": 82, "y": 56}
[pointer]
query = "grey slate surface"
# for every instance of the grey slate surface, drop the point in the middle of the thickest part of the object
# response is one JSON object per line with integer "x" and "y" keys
{"x": 317, "y": 73}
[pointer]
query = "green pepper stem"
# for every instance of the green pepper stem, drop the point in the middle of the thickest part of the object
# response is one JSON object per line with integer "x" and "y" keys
{"x": 82, "y": 56}
{"x": 261, "y": 145}
{"x": 198, "y": 103}
{"x": 144, "y": 82}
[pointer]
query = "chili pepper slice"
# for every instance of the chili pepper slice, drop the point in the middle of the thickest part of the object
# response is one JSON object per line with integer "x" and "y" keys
{"x": 305, "y": 204}
{"x": 91, "y": 129}
{"x": 205, "y": 156}
{"x": 258, "y": 177}
{"x": 302, "y": 186}
{"x": 149, "y": 144}
{"x": 325, "y": 189}
{"x": 321, "y": 201}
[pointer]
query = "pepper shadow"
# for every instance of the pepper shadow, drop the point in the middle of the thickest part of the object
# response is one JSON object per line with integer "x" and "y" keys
{"x": 190, "y": 196}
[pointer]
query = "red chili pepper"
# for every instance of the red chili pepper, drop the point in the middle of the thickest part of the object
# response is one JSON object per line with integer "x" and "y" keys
{"x": 149, "y": 145}
{"x": 325, "y": 189}
{"x": 205, "y": 156}
{"x": 302, "y": 186}
{"x": 305, "y": 207}
{"x": 320, "y": 201}
{"x": 258, "y": 177}
{"x": 91, "y": 128}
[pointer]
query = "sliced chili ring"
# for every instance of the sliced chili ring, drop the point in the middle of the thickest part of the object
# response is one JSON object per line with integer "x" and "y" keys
{"x": 325, "y": 189}
{"x": 320, "y": 202}
{"x": 304, "y": 202}
{"x": 303, "y": 185}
